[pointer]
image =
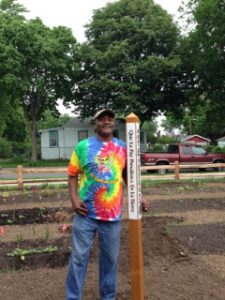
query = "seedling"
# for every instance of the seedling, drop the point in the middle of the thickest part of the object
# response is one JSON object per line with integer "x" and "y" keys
{"x": 34, "y": 230}
{"x": 201, "y": 186}
{"x": 9, "y": 222}
{"x": 3, "y": 215}
{"x": 42, "y": 211}
{"x": 22, "y": 253}
{"x": 19, "y": 239}
{"x": 169, "y": 227}
{"x": 21, "y": 217}
{"x": 46, "y": 234}
{"x": 184, "y": 188}
{"x": 5, "y": 194}
{"x": 46, "y": 193}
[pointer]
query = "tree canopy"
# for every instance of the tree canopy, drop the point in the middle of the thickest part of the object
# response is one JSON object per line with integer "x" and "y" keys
{"x": 37, "y": 64}
{"x": 204, "y": 49}
{"x": 130, "y": 61}
{"x": 49, "y": 120}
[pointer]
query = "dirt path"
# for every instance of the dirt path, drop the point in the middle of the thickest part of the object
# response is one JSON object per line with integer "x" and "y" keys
{"x": 170, "y": 273}
{"x": 164, "y": 280}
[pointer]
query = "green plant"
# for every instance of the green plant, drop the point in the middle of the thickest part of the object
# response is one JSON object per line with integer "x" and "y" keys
{"x": 21, "y": 217}
{"x": 46, "y": 234}
{"x": 169, "y": 227}
{"x": 42, "y": 211}
{"x": 19, "y": 239}
{"x": 34, "y": 230}
{"x": 9, "y": 222}
{"x": 5, "y": 194}
{"x": 5, "y": 148}
{"x": 13, "y": 269}
{"x": 184, "y": 188}
{"x": 201, "y": 185}
{"x": 47, "y": 192}
{"x": 22, "y": 253}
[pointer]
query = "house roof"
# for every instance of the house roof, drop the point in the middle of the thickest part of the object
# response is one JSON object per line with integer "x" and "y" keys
{"x": 221, "y": 139}
{"x": 189, "y": 137}
{"x": 76, "y": 122}
{"x": 50, "y": 129}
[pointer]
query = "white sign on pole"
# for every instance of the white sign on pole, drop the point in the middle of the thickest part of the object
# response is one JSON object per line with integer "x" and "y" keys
{"x": 133, "y": 170}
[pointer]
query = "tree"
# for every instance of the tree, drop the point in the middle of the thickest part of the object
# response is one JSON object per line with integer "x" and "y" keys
{"x": 51, "y": 120}
{"x": 204, "y": 49}
{"x": 150, "y": 129}
{"x": 8, "y": 9}
{"x": 37, "y": 65}
{"x": 130, "y": 61}
{"x": 15, "y": 126}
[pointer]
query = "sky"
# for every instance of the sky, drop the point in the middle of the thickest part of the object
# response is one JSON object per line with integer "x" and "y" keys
{"x": 75, "y": 14}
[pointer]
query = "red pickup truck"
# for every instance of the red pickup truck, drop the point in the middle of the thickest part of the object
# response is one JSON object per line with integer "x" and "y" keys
{"x": 184, "y": 154}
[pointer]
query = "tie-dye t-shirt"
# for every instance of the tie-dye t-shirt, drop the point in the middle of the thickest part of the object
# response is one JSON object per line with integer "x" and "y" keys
{"x": 101, "y": 165}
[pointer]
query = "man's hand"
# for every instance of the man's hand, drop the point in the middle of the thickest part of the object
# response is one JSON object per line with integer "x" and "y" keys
{"x": 145, "y": 205}
{"x": 80, "y": 207}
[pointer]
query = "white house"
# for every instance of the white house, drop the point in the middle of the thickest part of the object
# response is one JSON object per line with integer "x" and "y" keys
{"x": 221, "y": 142}
{"x": 59, "y": 142}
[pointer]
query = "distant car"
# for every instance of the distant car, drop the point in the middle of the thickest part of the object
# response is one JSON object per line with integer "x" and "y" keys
{"x": 184, "y": 154}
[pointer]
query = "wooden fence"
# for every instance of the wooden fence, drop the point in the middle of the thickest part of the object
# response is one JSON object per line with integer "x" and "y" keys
{"x": 174, "y": 174}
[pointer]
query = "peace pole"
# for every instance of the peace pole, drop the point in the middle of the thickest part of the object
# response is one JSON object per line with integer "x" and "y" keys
{"x": 134, "y": 206}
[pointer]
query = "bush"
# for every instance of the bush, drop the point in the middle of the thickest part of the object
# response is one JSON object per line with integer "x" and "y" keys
{"x": 158, "y": 148}
{"x": 21, "y": 149}
{"x": 5, "y": 148}
{"x": 215, "y": 149}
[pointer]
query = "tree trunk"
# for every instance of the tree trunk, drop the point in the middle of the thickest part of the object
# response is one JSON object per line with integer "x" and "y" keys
{"x": 31, "y": 126}
{"x": 34, "y": 141}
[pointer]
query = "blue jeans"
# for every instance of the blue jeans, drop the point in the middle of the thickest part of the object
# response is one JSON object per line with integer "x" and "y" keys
{"x": 83, "y": 234}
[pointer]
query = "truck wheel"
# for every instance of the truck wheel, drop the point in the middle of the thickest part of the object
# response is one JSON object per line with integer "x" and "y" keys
{"x": 162, "y": 171}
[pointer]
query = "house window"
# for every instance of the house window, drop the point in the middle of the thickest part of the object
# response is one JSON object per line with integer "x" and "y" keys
{"x": 82, "y": 135}
{"x": 116, "y": 133}
{"x": 53, "y": 139}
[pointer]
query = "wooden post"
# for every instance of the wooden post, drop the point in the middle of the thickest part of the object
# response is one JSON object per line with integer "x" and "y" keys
{"x": 177, "y": 170}
{"x": 20, "y": 176}
{"x": 134, "y": 207}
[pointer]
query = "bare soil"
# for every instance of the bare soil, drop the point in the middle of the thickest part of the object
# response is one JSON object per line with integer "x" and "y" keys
{"x": 35, "y": 215}
{"x": 181, "y": 260}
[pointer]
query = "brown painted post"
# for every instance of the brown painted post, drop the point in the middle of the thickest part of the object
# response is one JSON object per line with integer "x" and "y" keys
{"x": 177, "y": 170}
{"x": 20, "y": 176}
{"x": 134, "y": 207}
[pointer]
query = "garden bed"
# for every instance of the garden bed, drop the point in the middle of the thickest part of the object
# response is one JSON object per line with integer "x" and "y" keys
{"x": 181, "y": 260}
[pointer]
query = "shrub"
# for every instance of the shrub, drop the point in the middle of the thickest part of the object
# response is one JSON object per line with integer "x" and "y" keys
{"x": 215, "y": 149}
{"x": 158, "y": 148}
{"x": 5, "y": 148}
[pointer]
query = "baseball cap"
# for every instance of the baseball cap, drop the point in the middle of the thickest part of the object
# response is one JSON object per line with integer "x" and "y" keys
{"x": 102, "y": 112}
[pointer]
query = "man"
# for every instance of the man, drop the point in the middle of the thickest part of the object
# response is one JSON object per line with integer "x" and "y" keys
{"x": 101, "y": 161}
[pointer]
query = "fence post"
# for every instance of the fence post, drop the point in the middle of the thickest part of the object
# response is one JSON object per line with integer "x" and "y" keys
{"x": 20, "y": 176}
{"x": 177, "y": 170}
